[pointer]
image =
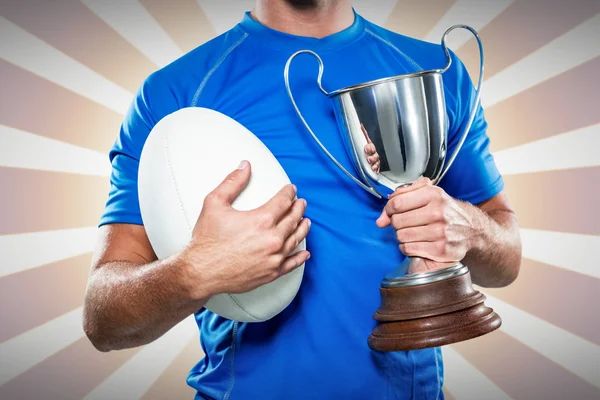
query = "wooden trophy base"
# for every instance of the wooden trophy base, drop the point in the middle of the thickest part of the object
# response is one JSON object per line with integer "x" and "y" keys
{"x": 429, "y": 310}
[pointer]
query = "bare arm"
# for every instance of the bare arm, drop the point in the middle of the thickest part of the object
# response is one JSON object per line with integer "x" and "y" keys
{"x": 132, "y": 298}
{"x": 494, "y": 255}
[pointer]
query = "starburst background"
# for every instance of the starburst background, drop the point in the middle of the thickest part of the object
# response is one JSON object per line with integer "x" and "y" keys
{"x": 68, "y": 70}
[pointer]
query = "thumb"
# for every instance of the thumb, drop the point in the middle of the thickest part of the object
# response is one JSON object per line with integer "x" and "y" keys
{"x": 233, "y": 184}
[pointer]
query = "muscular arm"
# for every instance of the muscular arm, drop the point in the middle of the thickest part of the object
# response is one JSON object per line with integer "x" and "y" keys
{"x": 132, "y": 299}
{"x": 494, "y": 256}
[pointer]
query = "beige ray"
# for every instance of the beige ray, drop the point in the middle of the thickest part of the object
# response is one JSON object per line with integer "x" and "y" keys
{"x": 570, "y": 351}
{"x": 26, "y": 150}
{"x": 41, "y": 201}
{"x": 171, "y": 384}
{"x": 33, "y": 104}
{"x": 72, "y": 28}
{"x": 225, "y": 14}
{"x": 132, "y": 21}
{"x": 561, "y": 201}
{"x": 42, "y": 294}
{"x": 574, "y": 48}
{"x": 556, "y": 295}
{"x": 448, "y": 395}
{"x": 138, "y": 374}
{"x": 520, "y": 371}
{"x": 69, "y": 374}
{"x": 565, "y": 103}
{"x": 524, "y": 27}
{"x": 26, "y": 350}
{"x": 576, "y": 149}
{"x": 465, "y": 381}
{"x": 34, "y": 55}
{"x": 416, "y": 18}
{"x": 475, "y": 13}
{"x": 376, "y": 12}
{"x": 183, "y": 20}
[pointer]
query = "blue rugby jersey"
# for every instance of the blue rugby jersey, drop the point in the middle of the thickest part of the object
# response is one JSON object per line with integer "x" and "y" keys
{"x": 317, "y": 347}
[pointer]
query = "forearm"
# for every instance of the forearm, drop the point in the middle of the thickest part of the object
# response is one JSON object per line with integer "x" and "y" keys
{"x": 129, "y": 305}
{"x": 494, "y": 257}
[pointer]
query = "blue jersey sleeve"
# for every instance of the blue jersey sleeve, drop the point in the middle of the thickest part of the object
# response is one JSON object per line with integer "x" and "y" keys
{"x": 152, "y": 102}
{"x": 473, "y": 176}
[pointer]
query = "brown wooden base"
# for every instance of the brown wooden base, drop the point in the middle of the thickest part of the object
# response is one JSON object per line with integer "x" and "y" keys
{"x": 430, "y": 315}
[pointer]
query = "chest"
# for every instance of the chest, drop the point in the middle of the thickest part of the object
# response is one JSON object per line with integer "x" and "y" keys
{"x": 252, "y": 91}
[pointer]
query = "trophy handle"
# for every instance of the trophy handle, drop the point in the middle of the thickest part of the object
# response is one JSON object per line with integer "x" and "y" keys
{"x": 316, "y": 139}
{"x": 477, "y": 96}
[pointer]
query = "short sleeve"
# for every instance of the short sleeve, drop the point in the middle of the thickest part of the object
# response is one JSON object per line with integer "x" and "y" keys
{"x": 149, "y": 105}
{"x": 473, "y": 176}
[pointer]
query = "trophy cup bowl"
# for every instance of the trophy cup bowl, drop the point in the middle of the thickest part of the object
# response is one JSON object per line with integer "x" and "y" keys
{"x": 395, "y": 132}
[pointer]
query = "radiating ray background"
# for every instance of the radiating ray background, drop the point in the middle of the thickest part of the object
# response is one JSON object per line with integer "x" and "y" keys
{"x": 68, "y": 70}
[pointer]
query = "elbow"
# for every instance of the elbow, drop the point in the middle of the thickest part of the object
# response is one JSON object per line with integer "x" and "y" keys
{"x": 94, "y": 333}
{"x": 510, "y": 272}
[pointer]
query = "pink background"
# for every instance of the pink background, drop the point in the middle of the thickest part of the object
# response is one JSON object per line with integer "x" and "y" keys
{"x": 68, "y": 70}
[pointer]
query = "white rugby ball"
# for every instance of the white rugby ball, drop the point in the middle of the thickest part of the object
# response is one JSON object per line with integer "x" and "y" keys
{"x": 186, "y": 156}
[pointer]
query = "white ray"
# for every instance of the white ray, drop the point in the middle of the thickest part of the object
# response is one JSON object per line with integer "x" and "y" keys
{"x": 572, "y": 352}
{"x": 465, "y": 381}
{"x": 20, "y": 149}
{"x": 29, "y": 250}
{"x": 379, "y": 13}
{"x": 562, "y": 54}
{"x": 136, "y": 25}
{"x": 23, "y": 49}
{"x": 578, "y": 253}
{"x": 576, "y": 149}
{"x": 475, "y": 13}
{"x": 136, "y": 376}
{"x": 225, "y": 14}
{"x": 34, "y": 346}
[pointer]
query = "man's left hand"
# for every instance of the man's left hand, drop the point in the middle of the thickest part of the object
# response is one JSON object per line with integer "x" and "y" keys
{"x": 429, "y": 223}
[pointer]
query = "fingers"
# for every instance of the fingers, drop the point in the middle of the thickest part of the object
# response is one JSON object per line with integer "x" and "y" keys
{"x": 428, "y": 250}
{"x": 431, "y": 251}
{"x": 370, "y": 149}
{"x": 402, "y": 200}
{"x": 297, "y": 236}
{"x": 232, "y": 185}
{"x": 415, "y": 218}
{"x": 280, "y": 204}
{"x": 290, "y": 221}
{"x": 411, "y": 200}
{"x": 427, "y": 233}
{"x": 294, "y": 261}
{"x": 364, "y": 131}
{"x": 418, "y": 184}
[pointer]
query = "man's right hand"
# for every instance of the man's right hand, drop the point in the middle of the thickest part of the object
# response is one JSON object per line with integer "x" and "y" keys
{"x": 235, "y": 251}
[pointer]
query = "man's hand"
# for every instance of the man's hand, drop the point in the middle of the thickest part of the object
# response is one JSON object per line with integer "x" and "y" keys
{"x": 236, "y": 251}
{"x": 439, "y": 231}
{"x": 429, "y": 224}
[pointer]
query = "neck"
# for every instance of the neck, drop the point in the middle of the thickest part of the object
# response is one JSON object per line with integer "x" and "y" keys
{"x": 318, "y": 18}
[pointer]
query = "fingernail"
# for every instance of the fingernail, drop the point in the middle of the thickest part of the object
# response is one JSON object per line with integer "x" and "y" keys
{"x": 309, "y": 222}
{"x": 295, "y": 188}
{"x": 243, "y": 165}
{"x": 308, "y": 256}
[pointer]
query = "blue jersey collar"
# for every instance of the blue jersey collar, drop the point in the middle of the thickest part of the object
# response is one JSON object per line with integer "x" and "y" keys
{"x": 286, "y": 41}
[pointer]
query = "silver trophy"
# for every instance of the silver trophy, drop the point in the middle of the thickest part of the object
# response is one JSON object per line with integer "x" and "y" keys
{"x": 395, "y": 131}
